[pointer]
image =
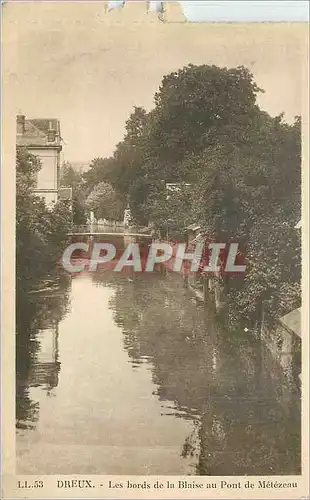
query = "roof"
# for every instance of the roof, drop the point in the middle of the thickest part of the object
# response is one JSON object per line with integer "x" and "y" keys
{"x": 292, "y": 321}
{"x": 45, "y": 124}
{"x": 36, "y": 132}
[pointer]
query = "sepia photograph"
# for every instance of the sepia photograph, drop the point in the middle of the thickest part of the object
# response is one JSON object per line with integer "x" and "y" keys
{"x": 158, "y": 247}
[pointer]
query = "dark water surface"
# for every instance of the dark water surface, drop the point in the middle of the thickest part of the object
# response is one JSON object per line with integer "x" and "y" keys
{"x": 129, "y": 375}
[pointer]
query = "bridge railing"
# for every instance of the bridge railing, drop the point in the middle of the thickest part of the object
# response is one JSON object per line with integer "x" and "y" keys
{"x": 105, "y": 228}
{"x": 97, "y": 228}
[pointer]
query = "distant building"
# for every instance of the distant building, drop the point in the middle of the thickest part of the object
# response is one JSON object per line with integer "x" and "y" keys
{"x": 42, "y": 138}
{"x": 79, "y": 167}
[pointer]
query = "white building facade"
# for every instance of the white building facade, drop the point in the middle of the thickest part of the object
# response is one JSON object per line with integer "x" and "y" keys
{"x": 42, "y": 138}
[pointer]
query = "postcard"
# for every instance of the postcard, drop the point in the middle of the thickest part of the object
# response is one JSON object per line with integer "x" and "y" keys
{"x": 154, "y": 254}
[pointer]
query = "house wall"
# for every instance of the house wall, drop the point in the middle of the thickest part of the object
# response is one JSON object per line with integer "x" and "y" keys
{"x": 47, "y": 177}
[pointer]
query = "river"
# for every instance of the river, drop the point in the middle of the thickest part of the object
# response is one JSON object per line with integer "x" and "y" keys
{"x": 128, "y": 374}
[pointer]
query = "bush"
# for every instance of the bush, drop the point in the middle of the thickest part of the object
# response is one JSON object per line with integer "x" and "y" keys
{"x": 41, "y": 232}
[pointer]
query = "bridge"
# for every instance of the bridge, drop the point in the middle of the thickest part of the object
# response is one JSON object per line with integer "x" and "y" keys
{"x": 108, "y": 230}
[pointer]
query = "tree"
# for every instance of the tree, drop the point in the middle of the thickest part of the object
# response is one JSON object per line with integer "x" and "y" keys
{"x": 71, "y": 178}
{"x": 99, "y": 171}
{"x": 273, "y": 272}
{"x": 105, "y": 203}
{"x": 201, "y": 106}
{"x": 252, "y": 195}
{"x": 41, "y": 232}
{"x": 196, "y": 108}
{"x": 243, "y": 167}
{"x": 170, "y": 211}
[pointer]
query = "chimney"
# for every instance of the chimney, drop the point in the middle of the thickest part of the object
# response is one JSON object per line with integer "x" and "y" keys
{"x": 51, "y": 133}
{"x": 20, "y": 124}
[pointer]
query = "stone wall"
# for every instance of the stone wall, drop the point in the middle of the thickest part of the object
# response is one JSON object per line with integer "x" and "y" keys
{"x": 284, "y": 346}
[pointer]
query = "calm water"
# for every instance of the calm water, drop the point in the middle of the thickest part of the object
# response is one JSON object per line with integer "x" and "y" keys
{"x": 129, "y": 375}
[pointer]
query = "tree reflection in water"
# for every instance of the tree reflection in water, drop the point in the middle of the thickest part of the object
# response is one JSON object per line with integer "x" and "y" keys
{"x": 243, "y": 418}
{"x": 247, "y": 421}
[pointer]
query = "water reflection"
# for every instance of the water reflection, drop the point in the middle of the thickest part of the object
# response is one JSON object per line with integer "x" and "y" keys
{"x": 38, "y": 314}
{"x": 145, "y": 382}
{"x": 247, "y": 420}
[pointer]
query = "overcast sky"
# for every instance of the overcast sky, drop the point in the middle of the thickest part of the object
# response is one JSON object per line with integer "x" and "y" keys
{"x": 87, "y": 68}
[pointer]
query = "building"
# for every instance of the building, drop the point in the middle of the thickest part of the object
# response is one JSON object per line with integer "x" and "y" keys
{"x": 41, "y": 136}
{"x": 79, "y": 167}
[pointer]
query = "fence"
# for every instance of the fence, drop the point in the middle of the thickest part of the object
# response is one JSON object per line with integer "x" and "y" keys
{"x": 117, "y": 227}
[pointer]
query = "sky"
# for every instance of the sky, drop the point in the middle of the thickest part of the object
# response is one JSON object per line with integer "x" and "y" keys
{"x": 89, "y": 68}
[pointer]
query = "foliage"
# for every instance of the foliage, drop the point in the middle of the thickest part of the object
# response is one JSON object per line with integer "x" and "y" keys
{"x": 196, "y": 108}
{"x": 273, "y": 272}
{"x": 243, "y": 167}
{"x": 71, "y": 178}
{"x": 105, "y": 203}
{"x": 202, "y": 106}
{"x": 170, "y": 210}
{"x": 99, "y": 170}
{"x": 40, "y": 231}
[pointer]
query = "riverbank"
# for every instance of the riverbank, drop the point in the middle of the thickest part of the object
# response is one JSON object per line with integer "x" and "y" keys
{"x": 281, "y": 336}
